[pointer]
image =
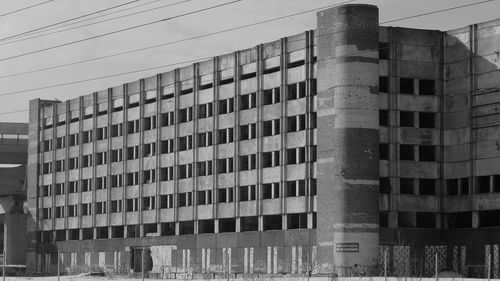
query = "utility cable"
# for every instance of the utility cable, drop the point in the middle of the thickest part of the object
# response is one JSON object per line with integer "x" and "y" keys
{"x": 25, "y": 8}
{"x": 118, "y": 31}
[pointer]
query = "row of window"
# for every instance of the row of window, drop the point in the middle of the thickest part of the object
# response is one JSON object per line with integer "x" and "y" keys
{"x": 227, "y": 225}
{"x": 408, "y": 119}
{"x": 409, "y": 186}
{"x": 487, "y": 218}
{"x": 409, "y": 152}
{"x": 247, "y": 101}
{"x": 426, "y": 87}
{"x": 484, "y": 184}
{"x": 246, "y": 132}
{"x": 203, "y": 168}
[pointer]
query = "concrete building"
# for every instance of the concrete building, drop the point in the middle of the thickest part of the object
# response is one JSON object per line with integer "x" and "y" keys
{"x": 13, "y": 159}
{"x": 323, "y": 151}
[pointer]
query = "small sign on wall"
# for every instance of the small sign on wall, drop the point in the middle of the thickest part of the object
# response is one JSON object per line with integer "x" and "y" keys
{"x": 346, "y": 247}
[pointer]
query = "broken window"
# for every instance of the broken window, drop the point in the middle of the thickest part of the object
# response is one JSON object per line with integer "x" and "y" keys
{"x": 406, "y": 86}
{"x": 427, "y": 187}
{"x": 406, "y": 186}
{"x": 272, "y": 222}
{"x": 426, "y": 153}
{"x": 205, "y": 226}
{"x": 406, "y": 119}
{"x": 426, "y": 220}
{"x": 249, "y": 224}
{"x": 426, "y": 87}
{"x": 406, "y": 152}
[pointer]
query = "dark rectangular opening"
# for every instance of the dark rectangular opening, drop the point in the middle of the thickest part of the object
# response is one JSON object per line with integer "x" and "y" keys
{"x": 426, "y": 220}
{"x": 249, "y": 224}
{"x": 248, "y": 75}
{"x": 385, "y": 185}
{"x": 296, "y": 221}
{"x": 167, "y": 228}
{"x": 383, "y": 220}
{"x": 60, "y": 235}
{"x": 496, "y": 183}
{"x": 186, "y": 91}
{"x": 426, "y": 120}
{"x": 406, "y": 86}
{"x": 405, "y": 220}
{"x": 384, "y": 151}
{"x": 459, "y": 220}
{"x": 87, "y": 233}
{"x": 383, "y": 117}
{"x": 406, "y": 152}
{"x": 150, "y": 229}
{"x": 102, "y": 232}
{"x": 489, "y": 218}
{"x": 186, "y": 227}
{"x": 464, "y": 186}
{"x": 406, "y": 119}
{"x": 383, "y": 50}
{"x": 133, "y": 231}
{"x": 117, "y": 231}
{"x": 206, "y": 86}
{"x": 74, "y": 234}
{"x": 427, "y": 187}
{"x": 452, "y": 186}
{"x": 483, "y": 184}
{"x": 271, "y": 70}
{"x": 426, "y": 87}
{"x": 226, "y": 81}
{"x": 383, "y": 84}
{"x": 227, "y": 225}
{"x": 272, "y": 222}
{"x": 296, "y": 63}
{"x": 406, "y": 186}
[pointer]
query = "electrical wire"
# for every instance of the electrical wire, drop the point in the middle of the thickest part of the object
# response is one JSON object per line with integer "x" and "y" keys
{"x": 118, "y": 31}
{"x": 25, "y": 8}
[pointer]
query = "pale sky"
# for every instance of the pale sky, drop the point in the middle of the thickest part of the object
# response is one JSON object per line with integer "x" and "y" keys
{"x": 237, "y": 14}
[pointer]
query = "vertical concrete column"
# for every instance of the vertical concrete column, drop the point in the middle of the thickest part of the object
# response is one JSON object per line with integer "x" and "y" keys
{"x": 348, "y": 138}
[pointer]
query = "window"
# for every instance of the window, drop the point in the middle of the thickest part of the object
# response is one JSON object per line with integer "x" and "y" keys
{"x": 406, "y": 220}
{"x": 226, "y": 80}
{"x": 167, "y": 173}
{"x": 225, "y": 166}
{"x": 383, "y": 50}
{"x": 459, "y": 220}
{"x": 185, "y": 199}
{"x": 206, "y": 84}
{"x": 185, "y": 115}
{"x": 225, "y": 195}
{"x": 384, "y": 151}
{"x": 88, "y": 112}
{"x": 86, "y": 185}
{"x": 133, "y": 101}
{"x": 271, "y": 96}
{"x": 47, "y": 145}
{"x": 271, "y": 190}
{"x": 47, "y": 168}
{"x": 406, "y": 119}
{"x": 427, "y": 153}
{"x": 185, "y": 143}
{"x": 86, "y": 209}
{"x": 248, "y": 132}
{"x": 60, "y": 188}
{"x": 149, "y": 123}
{"x": 250, "y": 75}
{"x": 185, "y": 171}
{"x": 60, "y": 142}
{"x": 133, "y": 126}
{"x": 226, "y": 106}
{"x": 166, "y": 201}
{"x": 296, "y": 123}
{"x": 272, "y": 222}
{"x": 116, "y": 180}
{"x": 426, "y": 220}
{"x": 426, "y": 87}
{"x": 204, "y": 168}
{"x": 296, "y": 221}
{"x": 102, "y": 133}
{"x": 483, "y": 184}
{"x": 383, "y": 84}
{"x": 271, "y": 127}
{"x": 148, "y": 203}
{"x": 205, "y": 139}
{"x": 296, "y": 155}
{"x": 72, "y": 211}
{"x": 150, "y": 96}
{"x": 100, "y": 208}
{"x": 248, "y": 162}
{"x": 406, "y": 152}
{"x": 249, "y": 224}
{"x": 167, "y": 119}
{"x": 87, "y": 160}
{"x": 187, "y": 90}
{"x": 186, "y": 227}
{"x": 132, "y": 152}
{"x": 247, "y": 193}
{"x": 61, "y": 119}
{"x": 100, "y": 183}
{"x": 204, "y": 197}
{"x": 167, "y": 146}
{"x": 132, "y": 205}
{"x": 116, "y": 206}
{"x": 46, "y": 213}
{"x": 149, "y": 176}
{"x": 227, "y": 225}
{"x": 117, "y": 130}
{"x": 296, "y": 91}
{"x": 452, "y": 186}
{"x": 427, "y": 187}
{"x": 132, "y": 178}
{"x": 270, "y": 159}
{"x": 295, "y": 188}
{"x": 73, "y": 163}
{"x": 205, "y": 110}
{"x": 426, "y": 120}
{"x": 73, "y": 140}
{"x": 384, "y": 185}
{"x": 73, "y": 187}
{"x": 116, "y": 155}
{"x": 101, "y": 158}
{"x": 383, "y": 117}
{"x": 247, "y": 101}
{"x": 149, "y": 149}
{"x": 406, "y": 86}
{"x": 59, "y": 165}
{"x": 464, "y": 185}
{"x": 406, "y": 186}
{"x": 167, "y": 92}
{"x": 225, "y": 135}
{"x": 117, "y": 105}
{"x": 87, "y": 136}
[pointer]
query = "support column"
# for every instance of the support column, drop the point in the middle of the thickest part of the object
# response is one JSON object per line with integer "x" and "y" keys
{"x": 348, "y": 138}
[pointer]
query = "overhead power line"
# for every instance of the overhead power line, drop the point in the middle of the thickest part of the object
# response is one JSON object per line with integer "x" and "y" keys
{"x": 25, "y": 8}
{"x": 92, "y": 23}
{"x": 118, "y": 31}
{"x": 65, "y": 21}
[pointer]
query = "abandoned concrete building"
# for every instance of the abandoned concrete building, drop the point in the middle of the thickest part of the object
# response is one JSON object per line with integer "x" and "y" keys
{"x": 325, "y": 151}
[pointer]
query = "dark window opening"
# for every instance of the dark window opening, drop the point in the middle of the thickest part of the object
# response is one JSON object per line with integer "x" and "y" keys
{"x": 60, "y": 235}
{"x": 405, "y": 220}
{"x": 464, "y": 186}
{"x": 496, "y": 183}
{"x": 249, "y": 224}
{"x": 406, "y": 152}
{"x": 87, "y": 233}
{"x": 74, "y": 234}
{"x": 186, "y": 91}
{"x": 296, "y": 63}
{"x": 227, "y": 225}
{"x": 296, "y": 221}
{"x": 452, "y": 186}
{"x": 406, "y": 119}
{"x": 406, "y": 86}
{"x": 489, "y": 218}
{"x": 426, "y": 120}
{"x": 384, "y": 151}
{"x": 133, "y": 231}
{"x": 406, "y": 186}
{"x": 383, "y": 50}
{"x": 383, "y": 84}
{"x": 102, "y": 232}
{"x": 117, "y": 231}
{"x": 426, "y": 87}
{"x": 272, "y": 222}
{"x": 383, "y": 117}
{"x": 205, "y": 226}
{"x": 271, "y": 70}
{"x": 426, "y": 153}
{"x": 150, "y": 229}
{"x": 206, "y": 86}
{"x": 426, "y": 220}
{"x": 226, "y": 81}
{"x": 383, "y": 220}
{"x": 427, "y": 187}
{"x": 385, "y": 185}
{"x": 167, "y": 228}
{"x": 459, "y": 220}
{"x": 483, "y": 184}
{"x": 186, "y": 227}
{"x": 248, "y": 75}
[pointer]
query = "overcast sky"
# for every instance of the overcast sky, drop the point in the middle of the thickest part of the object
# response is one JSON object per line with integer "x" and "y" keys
{"x": 237, "y": 14}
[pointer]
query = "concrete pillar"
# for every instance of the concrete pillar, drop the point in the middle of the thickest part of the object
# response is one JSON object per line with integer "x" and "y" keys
{"x": 348, "y": 137}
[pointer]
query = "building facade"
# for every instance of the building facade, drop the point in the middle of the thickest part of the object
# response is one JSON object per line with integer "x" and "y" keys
{"x": 327, "y": 151}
